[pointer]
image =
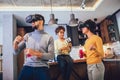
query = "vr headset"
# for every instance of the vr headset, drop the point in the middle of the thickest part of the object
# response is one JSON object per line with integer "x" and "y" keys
{"x": 89, "y": 24}
{"x": 33, "y": 18}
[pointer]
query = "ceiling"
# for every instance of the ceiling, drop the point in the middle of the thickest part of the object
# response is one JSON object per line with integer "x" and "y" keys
{"x": 61, "y": 8}
{"x": 56, "y": 3}
{"x": 49, "y": 3}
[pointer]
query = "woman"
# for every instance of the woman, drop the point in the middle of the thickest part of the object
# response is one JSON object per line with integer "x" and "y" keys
{"x": 93, "y": 51}
{"x": 62, "y": 49}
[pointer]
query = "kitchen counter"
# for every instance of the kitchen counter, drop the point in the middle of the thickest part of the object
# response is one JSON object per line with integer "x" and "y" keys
{"x": 112, "y": 69}
{"x": 115, "y": 58}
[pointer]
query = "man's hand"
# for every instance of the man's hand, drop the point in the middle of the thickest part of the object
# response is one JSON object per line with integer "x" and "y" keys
{"x": 17, "y": 40}
{"x": 32, "y": 52}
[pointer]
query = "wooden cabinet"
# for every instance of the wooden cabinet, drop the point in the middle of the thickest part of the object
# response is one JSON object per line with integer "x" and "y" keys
{"x": 79, "y": 72}
{"x": 109, "y": 29}
{"x": 104, "y": 30}
{"x": 112, "y": 71}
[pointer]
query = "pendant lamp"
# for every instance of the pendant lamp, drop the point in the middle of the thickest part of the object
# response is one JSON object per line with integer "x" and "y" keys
{"x": 52, "y": 20}
{"x": 73, "y": 22}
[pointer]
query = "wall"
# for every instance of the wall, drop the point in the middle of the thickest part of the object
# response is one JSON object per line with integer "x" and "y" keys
{"x": 51, "y": 30}
{"x": 9, "y": 60}
{"x": 118, "y": 20}
{"x": 1, "y": 33}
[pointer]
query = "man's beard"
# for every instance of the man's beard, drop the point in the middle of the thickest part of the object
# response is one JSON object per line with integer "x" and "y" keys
{"x": 35, "y": 27}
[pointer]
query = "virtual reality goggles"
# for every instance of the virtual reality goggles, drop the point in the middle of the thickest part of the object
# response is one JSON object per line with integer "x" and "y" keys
{"x": 33, "y": 18}
{"x": 82, "y": 25}
{"x": 88, "y": 24}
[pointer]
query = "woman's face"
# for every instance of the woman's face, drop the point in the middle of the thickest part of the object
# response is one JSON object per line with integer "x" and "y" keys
{"x": 61, "y": 33}
{"x": 85, "y": 30}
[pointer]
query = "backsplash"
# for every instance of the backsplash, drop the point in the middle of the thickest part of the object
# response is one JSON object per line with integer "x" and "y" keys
{"x": 115, "y": 46}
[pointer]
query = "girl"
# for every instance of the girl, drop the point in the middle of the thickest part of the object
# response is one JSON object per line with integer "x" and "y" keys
{"x": 62, "y": 49}
{"x": 93, "y": 51}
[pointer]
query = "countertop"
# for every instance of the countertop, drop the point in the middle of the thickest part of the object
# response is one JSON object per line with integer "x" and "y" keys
{"x": 115, "y": 58}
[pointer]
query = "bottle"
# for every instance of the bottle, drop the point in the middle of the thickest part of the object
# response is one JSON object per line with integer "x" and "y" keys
{"x": 81, "y": 53}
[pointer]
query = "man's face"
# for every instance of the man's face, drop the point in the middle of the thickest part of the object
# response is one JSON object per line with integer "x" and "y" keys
{"x": 37, "y": 24}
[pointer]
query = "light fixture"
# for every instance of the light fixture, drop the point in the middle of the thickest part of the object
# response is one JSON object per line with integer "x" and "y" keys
{"x": 83, "y": 4}
{"x": 52, "y": 20}
{"x": 73, "y": 22}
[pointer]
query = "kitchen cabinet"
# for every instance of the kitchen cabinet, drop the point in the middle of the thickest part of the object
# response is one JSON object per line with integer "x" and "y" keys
{"x": 72, "y": 32}
{"x": 109, "y": 29}
{"x": 109, "y": 32}
{"x": 79, "y": 71}
{"x": 82, "y": 37}
{"x": 112, "y": 70}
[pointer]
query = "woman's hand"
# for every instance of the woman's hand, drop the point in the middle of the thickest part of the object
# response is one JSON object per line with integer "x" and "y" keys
{"x": 65, "y": 49}
{"x": 69, "y": 45}
{"x": 92, "y": 47}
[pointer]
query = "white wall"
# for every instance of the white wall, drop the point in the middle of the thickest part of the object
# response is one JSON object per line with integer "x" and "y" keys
{"x": 1, "y": 31}
{"x": 1, "y": 35}
{"x": 51, "y": 30}
{"x": 118, "y": 20}
{"x": 9, "y": 62}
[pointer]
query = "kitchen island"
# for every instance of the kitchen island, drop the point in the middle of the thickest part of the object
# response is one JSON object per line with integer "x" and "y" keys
{"x": 112, "y": 69}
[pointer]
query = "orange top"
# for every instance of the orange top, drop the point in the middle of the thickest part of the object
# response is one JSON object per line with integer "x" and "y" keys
{"x": 96, "y": 55}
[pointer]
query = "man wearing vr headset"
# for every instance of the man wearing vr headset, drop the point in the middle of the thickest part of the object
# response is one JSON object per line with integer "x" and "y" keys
{"x": 93, "y": 51}
{"x": 38, "y": 47}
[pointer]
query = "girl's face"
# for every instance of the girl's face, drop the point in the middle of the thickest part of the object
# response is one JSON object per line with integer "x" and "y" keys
{"x": 85, "y": 30}
{"x": 61, "y": 34}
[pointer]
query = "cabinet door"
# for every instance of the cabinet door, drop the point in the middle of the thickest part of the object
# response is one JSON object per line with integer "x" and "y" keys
{"x": 104, "y": 31}
{"x": 109, "y": 29}
{"x": 112, "y": 70}
{"x": 72, "y": 32}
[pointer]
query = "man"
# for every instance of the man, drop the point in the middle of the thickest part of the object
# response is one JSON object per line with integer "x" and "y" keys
{"x": 38, "y": 47}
